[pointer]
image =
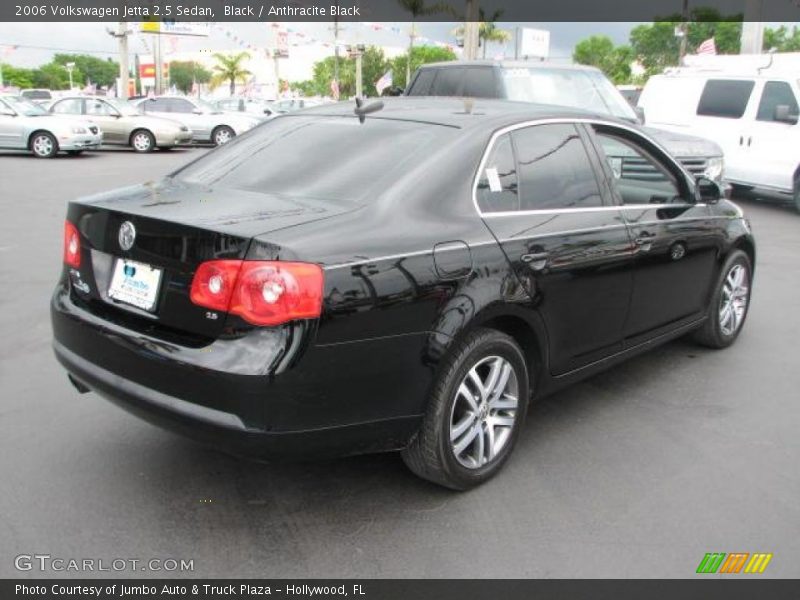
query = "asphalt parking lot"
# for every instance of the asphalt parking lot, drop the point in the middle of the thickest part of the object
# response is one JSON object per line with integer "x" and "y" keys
{"x": 637, "y": 472}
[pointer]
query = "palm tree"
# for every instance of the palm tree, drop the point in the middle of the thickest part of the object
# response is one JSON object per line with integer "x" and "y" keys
{"x": 418, "y": 8}
{"x": 229, "y": 68}
{"x": 487, "y": 30}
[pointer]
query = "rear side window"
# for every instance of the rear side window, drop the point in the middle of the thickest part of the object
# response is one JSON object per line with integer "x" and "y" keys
{"x": 480, "y": 83}
{"x": 776, "y": 93}
{"x": 423, "y": 83}
{"x": 72, "y": 106}
{"x": 497, "y": 187}
{"x": 448, "y": 82}
{"x": 725, "y": 98}
{"x": 554, "y": 169}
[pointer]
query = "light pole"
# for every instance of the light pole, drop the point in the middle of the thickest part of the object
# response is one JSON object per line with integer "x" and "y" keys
{"x": 69, "y": 66}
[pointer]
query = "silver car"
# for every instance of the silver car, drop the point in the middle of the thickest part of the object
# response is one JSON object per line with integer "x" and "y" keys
{"x": 208, "y": 123}
{"x": 261, "y": 109}
{"x": 122, "y": 124}
{"x": 27, "y": 126}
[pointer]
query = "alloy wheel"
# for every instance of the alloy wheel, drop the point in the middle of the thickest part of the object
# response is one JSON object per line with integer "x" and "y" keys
{"x": 222, "y": 136}
{"x": 733, "y": 300}
{"x": 142, "y": 141}
{"x": 43, "y": 145}
{"x": 484, "y": 412}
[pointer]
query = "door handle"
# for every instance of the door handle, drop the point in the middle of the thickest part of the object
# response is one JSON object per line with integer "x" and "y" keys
{"x": 536, "y": 261}
{"x": 645, "y": 240}
{"x": 749, "y": 141}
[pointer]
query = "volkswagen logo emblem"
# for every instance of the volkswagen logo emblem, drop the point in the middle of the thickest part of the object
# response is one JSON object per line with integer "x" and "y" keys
{"x": 127, "y": 235}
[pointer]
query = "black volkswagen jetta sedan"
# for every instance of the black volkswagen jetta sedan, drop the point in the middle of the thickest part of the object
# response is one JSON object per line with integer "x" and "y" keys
{"x": 408, "y": 278}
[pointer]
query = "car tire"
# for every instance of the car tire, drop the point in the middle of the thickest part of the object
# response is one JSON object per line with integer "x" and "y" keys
{"x": 729, "y": 304}
{"x": 43, "y": 144}
{"x": 222, "y": 135}
{"x": 452, "y": 447}
{"x": 142, "y": 141}
{"x": 797, "y": 194}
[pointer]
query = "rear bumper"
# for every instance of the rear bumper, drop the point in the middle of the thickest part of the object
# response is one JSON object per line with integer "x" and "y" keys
{"x": 313, "y": 409}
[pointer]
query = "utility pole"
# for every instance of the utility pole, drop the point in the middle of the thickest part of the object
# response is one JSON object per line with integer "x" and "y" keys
{"x": 471, "y": 31}
{"x": 336, "y": 46}
{"x": 684, "y": 31}
{"x": 357, "y": 51}
{"x": 69, "y": 66}
{"x": 122, "y": 34}
{"x": 753, "y": 28}
{"x": 411, "y": 35}
{"x": 159, "y": 66}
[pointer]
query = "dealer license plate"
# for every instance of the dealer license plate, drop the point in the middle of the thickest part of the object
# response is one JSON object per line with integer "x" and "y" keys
{"x": 135, "y": 283}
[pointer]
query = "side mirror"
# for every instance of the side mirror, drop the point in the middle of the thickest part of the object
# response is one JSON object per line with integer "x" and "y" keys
{"x": 116, "y": 114}
{"x": 7, "y": 112}
{"x": 709, "y": 191}
{"x": 782, "y": 115}
{"x": 639, "y": 114}
{"x": 395, "y": 91}
{"x": 197, "y": 111}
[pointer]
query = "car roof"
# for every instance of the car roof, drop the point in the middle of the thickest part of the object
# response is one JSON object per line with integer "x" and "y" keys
{"x": 510, "y": 64}
{"x": 462, "y": 113}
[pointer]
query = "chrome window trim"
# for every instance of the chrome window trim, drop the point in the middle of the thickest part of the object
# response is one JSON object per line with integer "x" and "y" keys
{"x": 549, "y": 211}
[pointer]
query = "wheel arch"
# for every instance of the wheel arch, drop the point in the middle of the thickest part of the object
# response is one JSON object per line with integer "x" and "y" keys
{"x": 34, "y": 133}
{"x": 137, "y": 130}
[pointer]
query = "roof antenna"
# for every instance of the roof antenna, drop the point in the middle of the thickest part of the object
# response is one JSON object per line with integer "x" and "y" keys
{"x": 363, "y": 110}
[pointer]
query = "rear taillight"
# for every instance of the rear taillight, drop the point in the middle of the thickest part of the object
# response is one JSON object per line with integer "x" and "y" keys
{"x": 72, "y": 245}
{"x": 261, "y": 292}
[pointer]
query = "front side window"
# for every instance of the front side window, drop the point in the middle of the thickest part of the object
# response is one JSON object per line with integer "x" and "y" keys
{"x": 100, "y": 108}
{"x": 71, "y": 106}
{"x": 554, "y": 168}
{"x": 776, "y": 93}
{"x": 497, "y": 186}
{"x": 638, "y": 177}
{"x": 155, "y": 105}
{"x": 178, "y": 105}
{"x": 725, "y": 98}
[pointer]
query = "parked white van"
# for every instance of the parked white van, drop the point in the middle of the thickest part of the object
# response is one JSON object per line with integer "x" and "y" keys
{"x": 754, "y": 118}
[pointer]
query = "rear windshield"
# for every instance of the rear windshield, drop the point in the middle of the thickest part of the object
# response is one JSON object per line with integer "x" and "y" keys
{"x": 588, "y": 90}
{"x": 331, "y": 158}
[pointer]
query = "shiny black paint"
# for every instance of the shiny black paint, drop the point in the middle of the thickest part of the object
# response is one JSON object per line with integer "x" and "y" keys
{"x": 405, "y": 276}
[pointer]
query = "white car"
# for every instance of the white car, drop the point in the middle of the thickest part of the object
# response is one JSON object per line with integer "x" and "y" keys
{"x": 753, "y": 117}
{"x": 28, "y": 126}
{"x": 208, "y": 123}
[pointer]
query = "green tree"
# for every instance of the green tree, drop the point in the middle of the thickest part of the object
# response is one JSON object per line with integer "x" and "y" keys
{"x": 657, "y": 47}
{"x": 17, "y": 77}
{"x": 183, "y": 74}
{"x": 229, "y": 69}
{"x": 419, "y": 8}
{"x": 419, "y": 56}
{"x": 373, "y": 65}
{"x": 599, "y": 51}
{"x": 54, "y": 76}
{"x": 782, "y": 39}
{"x": 98, "y": 71}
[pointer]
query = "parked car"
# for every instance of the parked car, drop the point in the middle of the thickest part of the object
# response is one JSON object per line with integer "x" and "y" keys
{"x": 27, "y": 126}
{"x": 575, "y": 86}
{"x": 37, "y": 95}
{"x": 123, "y": 125}
{"x": 208, "y": 123}
{"x": 260, "y": 109}
{"x": 281, "y": 295}
{"x": 754, "y": 118}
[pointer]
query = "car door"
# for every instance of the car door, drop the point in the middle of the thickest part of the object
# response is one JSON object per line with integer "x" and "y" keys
{"x": 11, "y": 127}
{"x": 773, "y": 142}
{"x": 114, "y": 126}
{"x": 721, "y": 111}
{"x": 674, "y": 241}
{"x": 185, "y": 111}
{"x": 539, "y": 192}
